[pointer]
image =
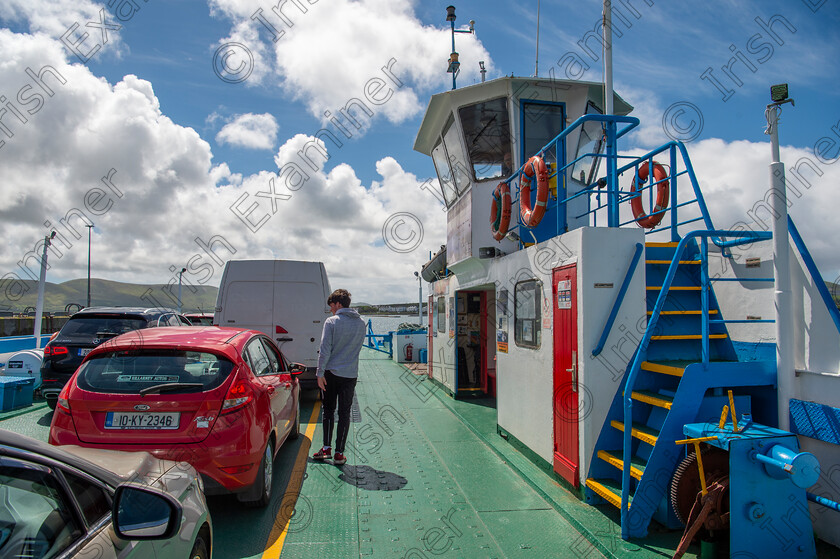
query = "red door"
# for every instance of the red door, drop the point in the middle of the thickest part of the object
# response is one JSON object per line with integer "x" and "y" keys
{"x": 566, "y": 403}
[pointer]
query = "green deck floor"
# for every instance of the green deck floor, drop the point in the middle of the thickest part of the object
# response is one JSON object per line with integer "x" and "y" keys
{"x": 427, "y": 476}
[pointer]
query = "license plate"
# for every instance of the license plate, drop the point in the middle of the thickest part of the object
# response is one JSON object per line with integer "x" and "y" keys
{"x": 131, "y": 420}
{"x": 83, "y": 352}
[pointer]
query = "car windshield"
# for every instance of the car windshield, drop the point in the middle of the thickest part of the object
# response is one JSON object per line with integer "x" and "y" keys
{"x": 130, "y": 372}
{"x": 104, "y": 325}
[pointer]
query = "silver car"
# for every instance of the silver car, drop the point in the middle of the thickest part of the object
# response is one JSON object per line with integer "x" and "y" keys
{"x": 61, "y": 502}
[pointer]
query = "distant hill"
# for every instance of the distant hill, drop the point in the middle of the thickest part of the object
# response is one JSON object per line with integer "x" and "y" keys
{"x": 19, "y": 296}
{"x": 834, "y": 291}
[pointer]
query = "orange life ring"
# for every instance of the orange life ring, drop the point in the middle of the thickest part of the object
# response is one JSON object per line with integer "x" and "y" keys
{"x": 662, "y": 191}
{"x": 500, "y": 211}
{"x": 534, "y": 166}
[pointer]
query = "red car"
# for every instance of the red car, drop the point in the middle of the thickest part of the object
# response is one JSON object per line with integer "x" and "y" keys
{"x": 222, "y": 399}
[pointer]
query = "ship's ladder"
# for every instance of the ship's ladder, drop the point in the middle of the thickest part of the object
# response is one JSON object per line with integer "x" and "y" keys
{"x": 687, "y": 363}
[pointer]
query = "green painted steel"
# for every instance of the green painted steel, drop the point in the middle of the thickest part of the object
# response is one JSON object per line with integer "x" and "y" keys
{"x": 427, "y": 476}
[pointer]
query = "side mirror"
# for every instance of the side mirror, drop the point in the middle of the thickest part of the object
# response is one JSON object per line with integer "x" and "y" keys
{"x": 297, "y": 368}
{"x": 144, "y": 513}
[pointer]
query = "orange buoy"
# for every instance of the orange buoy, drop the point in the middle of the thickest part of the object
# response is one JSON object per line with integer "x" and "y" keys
{"x": 662, "y": 192}
{"x": 534, "y": 167}
{"x": 500, "y": 211}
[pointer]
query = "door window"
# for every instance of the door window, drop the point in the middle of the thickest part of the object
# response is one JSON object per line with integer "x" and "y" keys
{"x": 92, "y": 499}
{"x": 275, "y": 361}
{"x": 36, "y": 519}
{"x": 258, "y": 359}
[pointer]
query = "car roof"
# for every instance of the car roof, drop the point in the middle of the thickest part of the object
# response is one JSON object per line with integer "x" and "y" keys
{"x": 221, "y": 340}
{"x": 28, "y": 444}
{"x": 145, "y": 311}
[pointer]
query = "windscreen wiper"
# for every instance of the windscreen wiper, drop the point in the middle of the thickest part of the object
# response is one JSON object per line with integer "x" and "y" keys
{"x": 169, "y": 387}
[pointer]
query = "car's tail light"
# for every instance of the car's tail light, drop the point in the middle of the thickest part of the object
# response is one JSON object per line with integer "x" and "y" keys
{"x": 55, "y": 350}
{"x": 239, "y": 395}
{"x": 63, "y": 403}
{"x": 233, "y": 470}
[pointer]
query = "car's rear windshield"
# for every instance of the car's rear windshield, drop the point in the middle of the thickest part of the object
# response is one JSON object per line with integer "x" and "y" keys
{"x": 102, "y": 326}
{"x": 129, "y": 372}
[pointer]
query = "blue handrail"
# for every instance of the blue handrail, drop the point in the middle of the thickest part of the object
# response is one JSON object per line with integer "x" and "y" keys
{"x": 375, "y": 344}
{"x": 614, "y": 196}
{"x": 618, "y": 300}
{"x": 815, "y": 273}
{"x": 743, "y": 237}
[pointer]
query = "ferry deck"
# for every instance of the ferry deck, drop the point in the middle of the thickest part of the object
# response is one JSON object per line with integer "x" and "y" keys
{"x": 426, "y": 476}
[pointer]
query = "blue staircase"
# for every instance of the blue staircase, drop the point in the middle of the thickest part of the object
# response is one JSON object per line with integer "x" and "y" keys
{"x": 675, "y": 385}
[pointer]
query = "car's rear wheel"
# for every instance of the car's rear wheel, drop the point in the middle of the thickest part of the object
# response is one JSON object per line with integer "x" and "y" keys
{"x": 295, "y": 433}
{"x": 51, "y": 402}
{"x": 199, "y": 550}
{"x": 259, "y": 494}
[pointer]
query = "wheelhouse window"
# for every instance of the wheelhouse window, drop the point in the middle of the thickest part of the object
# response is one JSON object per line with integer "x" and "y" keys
{"x": 526, "y": 314}
{"x": 451, "y": 164}
{"x": 591, "y": 141}
{"x": 444, "y": 173}
{"x": 487, "y": 134}
{"x": 542, "y": 122}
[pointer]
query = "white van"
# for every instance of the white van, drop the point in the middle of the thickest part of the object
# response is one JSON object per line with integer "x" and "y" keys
{"x": 285, "y": 299}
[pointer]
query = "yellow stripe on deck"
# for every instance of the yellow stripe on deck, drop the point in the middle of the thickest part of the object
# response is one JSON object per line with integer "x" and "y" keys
{"x": 295, "y": 482}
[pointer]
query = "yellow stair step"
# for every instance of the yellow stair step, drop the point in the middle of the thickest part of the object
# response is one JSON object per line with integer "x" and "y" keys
{"x": 662, "y": 244}
{"x": 668, "y": 262}
{"x": 675, "y": 288}
{"x": 607, "y": 489}
{"x": 664, "y": 369}
{"x": 642, "y": 432}
{"x": 615, "y": 458}
{"x": 689, "y": 337}
{"x": 653, "y": 398}
{"x": 711, "y": 311}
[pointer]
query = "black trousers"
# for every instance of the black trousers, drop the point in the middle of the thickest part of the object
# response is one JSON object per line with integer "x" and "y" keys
{"x": 341, "y": 389}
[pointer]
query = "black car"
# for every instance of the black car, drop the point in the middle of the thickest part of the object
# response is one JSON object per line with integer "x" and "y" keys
{"x": 87, "y": 329}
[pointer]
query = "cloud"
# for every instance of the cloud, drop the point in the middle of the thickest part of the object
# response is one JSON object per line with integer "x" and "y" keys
{"x": 326, "y": 54}
{"x": 52, "y": 17}
{"x": 250, "y": 131}
{"x": 165, "y": 203}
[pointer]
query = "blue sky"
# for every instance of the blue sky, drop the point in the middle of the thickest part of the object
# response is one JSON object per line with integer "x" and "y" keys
{"x": 187, "y": 146}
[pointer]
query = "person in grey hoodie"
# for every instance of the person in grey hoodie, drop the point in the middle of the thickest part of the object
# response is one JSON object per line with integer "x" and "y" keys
{"x": 338, "y": 369}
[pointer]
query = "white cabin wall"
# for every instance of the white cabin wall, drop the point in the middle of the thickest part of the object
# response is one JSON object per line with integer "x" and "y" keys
{"x": 606, "y": 257}
{"x": 739, "y": 300}
{"x": 818, "y": 348}
{"x": 524, "y": 376}
{"x": 817, "y": 351}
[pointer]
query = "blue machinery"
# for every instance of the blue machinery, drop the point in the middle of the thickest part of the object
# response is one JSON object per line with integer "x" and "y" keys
{"x": 765, "y": 476}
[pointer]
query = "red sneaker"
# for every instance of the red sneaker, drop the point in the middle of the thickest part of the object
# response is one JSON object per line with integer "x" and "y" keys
{"x": 339, "y": 459}
{"x": 323, "y": 454}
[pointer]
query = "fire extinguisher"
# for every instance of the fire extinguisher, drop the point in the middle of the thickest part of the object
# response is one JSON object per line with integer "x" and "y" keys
{"x": 409, "y": 352}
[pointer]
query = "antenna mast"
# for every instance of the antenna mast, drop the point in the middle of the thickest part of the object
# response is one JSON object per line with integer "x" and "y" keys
{"x": 608, "y": 74}
{"x": 454, "y": 65}
{"x": 537, "y": 62}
